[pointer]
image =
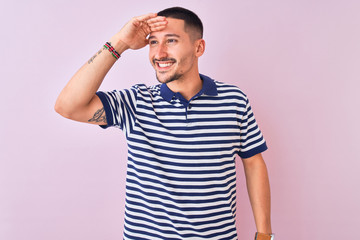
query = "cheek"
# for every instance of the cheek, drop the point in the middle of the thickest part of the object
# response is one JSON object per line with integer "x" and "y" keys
{"x": 151, "y": 58}
{"x": 152, "y": 52}
{"x": 188, "y": 58}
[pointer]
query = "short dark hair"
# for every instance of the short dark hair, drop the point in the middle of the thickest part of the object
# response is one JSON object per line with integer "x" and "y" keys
{"x": 190, "y": 18}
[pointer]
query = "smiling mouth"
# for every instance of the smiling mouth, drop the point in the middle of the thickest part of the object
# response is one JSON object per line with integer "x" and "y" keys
{"x": 164, "y": 64}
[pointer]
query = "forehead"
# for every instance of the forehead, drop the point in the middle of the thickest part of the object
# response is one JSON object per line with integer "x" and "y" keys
{"x": 174, "y": 26}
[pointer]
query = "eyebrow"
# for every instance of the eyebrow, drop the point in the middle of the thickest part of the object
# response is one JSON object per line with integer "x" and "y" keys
{"x": 167, "y": 35}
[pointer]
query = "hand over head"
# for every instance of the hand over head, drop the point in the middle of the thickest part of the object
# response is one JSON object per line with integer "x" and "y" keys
{"x": 134, "y": 33}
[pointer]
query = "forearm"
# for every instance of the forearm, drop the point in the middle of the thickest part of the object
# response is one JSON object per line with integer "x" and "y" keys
{"x": 82, "y": 87}
{"x": 259, "y": 192}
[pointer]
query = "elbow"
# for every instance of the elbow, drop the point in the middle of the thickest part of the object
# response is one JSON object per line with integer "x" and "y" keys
{"x": 58, "y": 109}
{"x": 61, "y": 109}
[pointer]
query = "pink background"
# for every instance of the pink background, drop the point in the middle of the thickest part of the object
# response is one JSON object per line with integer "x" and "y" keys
{"x": 298, "y": 61}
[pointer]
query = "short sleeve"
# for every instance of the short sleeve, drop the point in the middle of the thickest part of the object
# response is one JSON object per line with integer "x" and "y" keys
{"x": 120, "y": 108}
{"x": 252, "y": 141}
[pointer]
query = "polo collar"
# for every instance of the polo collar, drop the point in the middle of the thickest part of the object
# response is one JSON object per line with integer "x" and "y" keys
{"x": 208, "y": 88}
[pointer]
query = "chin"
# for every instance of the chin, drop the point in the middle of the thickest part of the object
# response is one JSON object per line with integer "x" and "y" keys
{"x": 164, "y": 78}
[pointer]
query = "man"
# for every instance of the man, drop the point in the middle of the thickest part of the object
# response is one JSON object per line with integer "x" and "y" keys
{"x": 183, "y": 134}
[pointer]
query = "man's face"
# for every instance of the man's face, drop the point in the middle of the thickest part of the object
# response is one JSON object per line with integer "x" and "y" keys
{"x": 172, "y": 52}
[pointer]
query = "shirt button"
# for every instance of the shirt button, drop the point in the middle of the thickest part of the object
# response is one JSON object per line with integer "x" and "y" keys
{"x": 189, "y": 106}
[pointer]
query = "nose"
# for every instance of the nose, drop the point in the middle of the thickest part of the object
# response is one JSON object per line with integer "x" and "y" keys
{"x": 161, "y": 51}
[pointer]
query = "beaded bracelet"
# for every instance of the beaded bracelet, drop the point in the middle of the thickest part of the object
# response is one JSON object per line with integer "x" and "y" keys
{"x": 112, "y": 50}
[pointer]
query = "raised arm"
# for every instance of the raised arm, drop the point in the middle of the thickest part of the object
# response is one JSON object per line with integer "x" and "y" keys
{"x": 78, "y": 101}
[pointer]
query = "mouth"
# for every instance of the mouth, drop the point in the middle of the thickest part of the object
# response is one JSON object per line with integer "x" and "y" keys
{"x": 165, "y": 64}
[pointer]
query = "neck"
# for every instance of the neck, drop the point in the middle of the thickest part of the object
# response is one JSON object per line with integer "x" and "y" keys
{"x": 189, "y": 84}
{"x": 187, "y": 87}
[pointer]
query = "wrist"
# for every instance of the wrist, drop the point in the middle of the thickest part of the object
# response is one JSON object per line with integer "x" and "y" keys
{"x": 264, "y": 226}
{"x": 264, "y": 236}
{"x": 119, "y": 45}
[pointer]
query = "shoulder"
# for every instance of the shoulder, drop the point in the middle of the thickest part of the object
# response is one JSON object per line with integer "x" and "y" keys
{"x": 153, "y": 90}
{"x": 144, "y": 88}
{"x": 230, "y": 91}
{"x": 135, "y": 92}
{"x": 146, "y": 92}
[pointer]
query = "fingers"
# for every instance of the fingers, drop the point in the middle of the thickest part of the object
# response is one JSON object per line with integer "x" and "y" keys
{"x": 156, "y": 19}
{"x": 146, "y": 17}
{"x": 159, "y": 28}
{"x": 142, "y": 20}
{"x": 157, "y": 25}
{"x": 150, "y": 22}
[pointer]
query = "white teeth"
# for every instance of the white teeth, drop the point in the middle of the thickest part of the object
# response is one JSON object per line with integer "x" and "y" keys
{"x": 162, "y": 65}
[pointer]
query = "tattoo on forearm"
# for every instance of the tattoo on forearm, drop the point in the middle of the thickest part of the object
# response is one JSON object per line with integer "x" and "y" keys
{"x": 99, "y": 116}
{"x": 91, "y": 60}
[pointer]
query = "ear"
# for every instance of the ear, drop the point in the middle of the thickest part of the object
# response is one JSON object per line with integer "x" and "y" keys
{"x": 200, "y": 47}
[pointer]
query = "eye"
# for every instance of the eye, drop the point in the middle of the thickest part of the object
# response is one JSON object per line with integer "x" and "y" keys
{"x": 171, "y": 40}
{"x": 152, "y": 42}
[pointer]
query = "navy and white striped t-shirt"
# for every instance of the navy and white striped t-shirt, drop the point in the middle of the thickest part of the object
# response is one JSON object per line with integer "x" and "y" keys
{"x": 181, "y": 181}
